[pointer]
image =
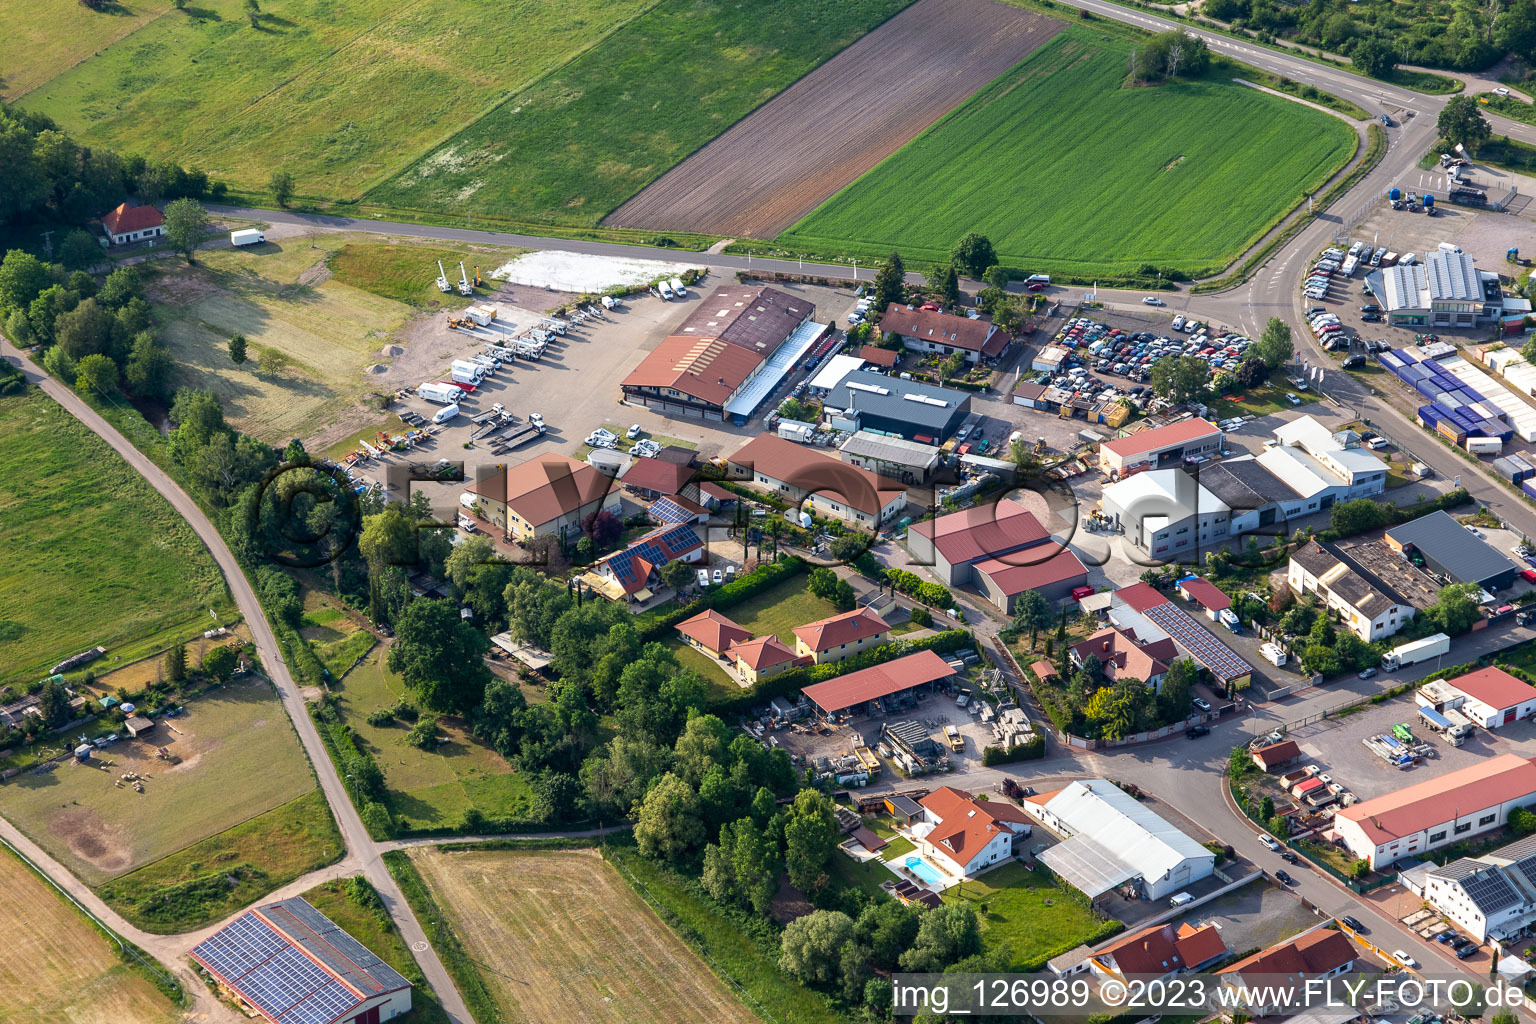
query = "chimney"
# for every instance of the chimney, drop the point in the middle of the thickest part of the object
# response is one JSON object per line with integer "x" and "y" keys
{"x": 722, "y": 382}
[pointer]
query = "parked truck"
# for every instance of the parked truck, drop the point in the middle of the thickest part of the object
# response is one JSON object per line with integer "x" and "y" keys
{"x": 1441, "y": 724}
{"x": 1461, "y": 725}
{"x": 250, "y": 236}
{"x": 442, "y": 394}
{"x": 794, "y": 430}
{"x": 474, "y": 372}
{"x": 1413, "y": 653}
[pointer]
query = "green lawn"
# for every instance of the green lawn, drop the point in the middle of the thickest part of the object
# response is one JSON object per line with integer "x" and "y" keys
{"x": 378, "y": 934}
{"x": 92, "y": 554}
{"x": 408, "y": 273}
{"x": 572, "y": 147}
{"x": 213, "y": 878}
{"x": 428, "y": 788}
{"x": 1030, "y": 914}
{"x": 339, "y": 95}
{"x": 37, "y": 48}
{"x": 1070, "y": 172}
{"x": 1262, "y": 400}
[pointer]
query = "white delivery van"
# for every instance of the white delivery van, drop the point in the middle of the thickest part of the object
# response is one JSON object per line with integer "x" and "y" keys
{"x": 250, "y": 236}
{"x": 665, "y": 289}
{"x": 446, "y": 413}
{"x": 677, "y": 288}
{"x": 442, "y": 394}
{"x": 1038, "y": 279}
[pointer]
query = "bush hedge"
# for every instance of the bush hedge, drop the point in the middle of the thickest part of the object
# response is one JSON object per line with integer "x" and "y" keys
{"x": 1031, "y": 749}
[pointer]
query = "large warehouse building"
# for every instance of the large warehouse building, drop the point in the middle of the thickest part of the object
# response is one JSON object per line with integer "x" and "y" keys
{"x": 909, "y": 409}
{"x": 1448, "y": 549}
{"x": 1160, "y": 447}
{"x": 728, "y": 356}
{"x": 796, "y": 473}
{"x": 293, "y": 965}
{"x": 1002, "y": 549}
{"x": 1458, "y": 806}
{"x": 1114, "y": 840}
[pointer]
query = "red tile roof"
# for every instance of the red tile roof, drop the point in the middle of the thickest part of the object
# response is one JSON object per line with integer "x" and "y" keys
{"x": 1012, "y": 578}
{"x": 656, "y": 475}
{"x": 1161, "y": 437}
{"x": 704, "y": 368}
{"x": 985, "y": 530}
{"x": 810, "y": 470}
{"x": 1487, "y": 783}
{"x": 967, "y": 825}
{"x": 859, "y": 624}
{"x": 1312, "y": 954}
{"x": 764, "y": 652}
{"x": 1495, "y": 687}
{"x": 127, "y": 219}
{"x": 545, "y": 488}
{"x": 1141, "y": 596}
{"x": 1283, "y": 752}
{"x": 1123, "y": 658}
{"x": 878, "y": 681}
{"x": 1206, "y": 594}
{"x": 879, "y": 356}
{"x": 1161, "y": 949}
{"x": 713, "y": 630}
{"x": 944, "y": 329}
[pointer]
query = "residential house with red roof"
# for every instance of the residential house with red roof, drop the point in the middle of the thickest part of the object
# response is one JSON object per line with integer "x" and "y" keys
{"x": 1457, "y": 806}
{"x": 1159, "y": 951}
{"x": 655, "y": 478}
{"x": 548, "y": 495}
{"x": 1122, "y": 656}
{"x": 762, "y": 658}
{"x": 797, "y": 474}
{"x": 128, "y": 224}
{"x": 840, "y": 636}
{"x": 712, "y": 633}
{"x": 968, "y": 836}
{"x": 939, "y": 333}
{"x": 632, "y": 572}
{"x": 1317, "y": 954}
{"x": 1002, "y": 549}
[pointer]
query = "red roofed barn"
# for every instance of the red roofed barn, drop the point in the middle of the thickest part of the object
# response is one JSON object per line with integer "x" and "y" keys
{"x": 1002, "y": 549}
{"x": 968, "y": 836}
{"x": 133, "y": 224}
{"x": 1160, "y": 447}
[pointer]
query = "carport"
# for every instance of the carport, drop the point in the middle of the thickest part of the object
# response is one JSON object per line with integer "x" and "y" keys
{"x": 1087, "y": 866}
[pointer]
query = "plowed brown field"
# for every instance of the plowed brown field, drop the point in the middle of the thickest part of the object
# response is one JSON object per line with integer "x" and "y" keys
{"x": 560, "y": 937}
{"x": 784, "y": 159}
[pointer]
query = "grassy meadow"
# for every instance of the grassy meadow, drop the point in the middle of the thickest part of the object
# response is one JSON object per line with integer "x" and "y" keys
{"x": 338, "y": 94}
{"x": 428, "y": 788}
{"x": 59, "y": 967}
{"x": 1069, "y": 171}
{"x": 93, "y": 555}
{"x": 39, "y": 48}
{"x": 408, "y": 273}
{"x": 215, "y": 877}
{"x": 238, "y": 757}
{"x": 558, "y": 935}
{"x": 1030, "y": 914}
{"x": 591, "y": 134}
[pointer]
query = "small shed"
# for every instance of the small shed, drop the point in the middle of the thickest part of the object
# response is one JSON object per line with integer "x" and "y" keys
{"x": 904, "y": 809}
{"x": 138, "y": 724}
{"x": 1277, "y": 755}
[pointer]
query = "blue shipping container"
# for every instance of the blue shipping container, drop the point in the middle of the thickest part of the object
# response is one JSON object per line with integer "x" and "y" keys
{"x": 1530, "y": 491}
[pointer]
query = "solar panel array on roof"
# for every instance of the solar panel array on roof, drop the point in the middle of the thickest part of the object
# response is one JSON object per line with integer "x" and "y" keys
{"x": 1200, "y": 642}
{"x": 1490, "y": 891}
{"x": 665, "y": 510}
{"x": 658, "y": 549}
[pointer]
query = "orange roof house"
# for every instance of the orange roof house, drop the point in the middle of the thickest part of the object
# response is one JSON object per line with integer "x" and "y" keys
{"x": 970, "y": 835}
{"x": 1161, "y": 949}
{"x": 835, "y": 638}
{"x": 133, "y": 223}
{"x": 712, "y": 632}
{"x": 763, "y": 658}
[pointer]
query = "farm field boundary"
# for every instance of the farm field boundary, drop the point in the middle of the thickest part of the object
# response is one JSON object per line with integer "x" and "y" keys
{"x": 798, "y": 149}
{"x": 1093, "y": 191}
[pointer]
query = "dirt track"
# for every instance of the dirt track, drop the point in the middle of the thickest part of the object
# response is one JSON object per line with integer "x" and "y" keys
{"x": 784, "y": 159}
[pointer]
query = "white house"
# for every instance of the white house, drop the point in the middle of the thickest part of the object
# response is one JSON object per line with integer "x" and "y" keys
{"x": 133, "y": 224}
{"x": 1491, "y": 896}
{"x": 1490, "y": 697}
{"x": 1367, "y": 605}
{"x": 965, "y": 836}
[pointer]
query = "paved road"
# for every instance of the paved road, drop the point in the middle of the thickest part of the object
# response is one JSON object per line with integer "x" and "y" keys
{"x": 361, "y": 849}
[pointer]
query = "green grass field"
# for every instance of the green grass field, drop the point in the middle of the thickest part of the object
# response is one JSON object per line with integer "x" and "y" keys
{"x": 339, "y": 95}
{"x": 777, "y": 610}
{"x": 378, "y": 934}
{"x": 39, "y": 48}
{"x": 1029, "y": 914}
{"x": 238, "y": 758}
{"x": 1069, "y": 172}
{"x": 595, "y": 132}
{"x": 93, "y": 555}
{"x": 408, "y": 273}
{"x": 211, "y": 879}
{"x": 428, "y": 789}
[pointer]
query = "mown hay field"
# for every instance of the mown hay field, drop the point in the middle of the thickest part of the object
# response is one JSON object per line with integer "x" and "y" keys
{"x": 44, "y": 39}
{"x": 340, "y": 95}
{"x": 572, "y": 147}
{"x": 93, "y": 555}
{"x": 238, "y": 756}
{"x": 57, "y": 967}
{"x": 559, "y": 935}
{"x": 1068, "y": 170}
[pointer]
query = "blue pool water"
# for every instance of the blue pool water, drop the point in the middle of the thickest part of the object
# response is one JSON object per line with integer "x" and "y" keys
{"x": 922, "y": 869}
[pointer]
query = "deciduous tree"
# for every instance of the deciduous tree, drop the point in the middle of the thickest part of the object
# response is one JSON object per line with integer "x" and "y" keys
{"x": 237, "y": 349}
{"x": 96, "y": 374}
{"x": 186, "y": 223}
{"x": 973, "y": 254}
{"x": 1461, "y": 122}
{"x": 812, "y": 945}
{"x": 440, "y": 656}
{"x": 281, "y": 187}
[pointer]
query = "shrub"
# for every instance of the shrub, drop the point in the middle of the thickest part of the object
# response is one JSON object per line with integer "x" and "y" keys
{"x": 380, "y": 717}
{"x": 1031, "y": 749}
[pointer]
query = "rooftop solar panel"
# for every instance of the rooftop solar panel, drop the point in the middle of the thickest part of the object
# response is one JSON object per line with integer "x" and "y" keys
{"x": 666, "y": 510}
{"x": 657, "y": 548}
{"x": 1223, "y": 662}
{"x": 1490, "y": 891}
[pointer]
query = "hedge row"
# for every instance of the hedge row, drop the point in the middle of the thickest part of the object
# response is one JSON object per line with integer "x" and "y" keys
{"x": 1399, "y": 514}
{"x": 658, "y": 625}
{"x": 1031, "y": 749}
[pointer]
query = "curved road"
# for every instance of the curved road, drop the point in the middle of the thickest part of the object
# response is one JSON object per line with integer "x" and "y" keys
{"x": 362, "y": 852}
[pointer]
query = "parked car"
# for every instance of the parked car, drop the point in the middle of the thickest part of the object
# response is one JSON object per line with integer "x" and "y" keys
{"x": 1153, "y": 300}
{"x": 633, "y": 432}
{"x": 1404, "y": 959}
{"x": 1368, "y": 673}
{"x": 1370, "y": 307}
{"x": 1284, "y": 878}
{"x": 703, "y": 578}
{"x": 1445, "y": 936}
{"x": 1201, "y": 703}
{"x": 1194, "y": 732}
{"x": 1354, "y": 362}
{"x": 1292, "y": 398}
{"x": 1268, "y": 840}
{"x": 1353, "y": 924}
{"x": 1289, "y": 857}
{"x": 718, "y": 577}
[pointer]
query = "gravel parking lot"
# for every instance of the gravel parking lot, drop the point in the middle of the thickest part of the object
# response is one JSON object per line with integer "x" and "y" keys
{"x": 1335, "y": 745}
{"x": 1253, "y": 917}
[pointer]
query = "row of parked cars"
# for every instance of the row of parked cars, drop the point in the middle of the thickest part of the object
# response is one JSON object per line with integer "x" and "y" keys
{"x": 1125, "y": 354}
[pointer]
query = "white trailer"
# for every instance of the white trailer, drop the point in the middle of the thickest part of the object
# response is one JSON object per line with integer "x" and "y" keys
{"x": 442, "y": 394}
{"x": 1484, "y": 445}
{"x": 250, "y": 236}
{"x": 481, "y": 314}
{"x": 1273, "y": 654}
{"x": 469, "y": 369}
{"x": 1413, "y": 653}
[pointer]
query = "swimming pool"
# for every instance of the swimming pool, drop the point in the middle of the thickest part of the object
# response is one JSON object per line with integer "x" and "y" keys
{"x": 922, "y": 869}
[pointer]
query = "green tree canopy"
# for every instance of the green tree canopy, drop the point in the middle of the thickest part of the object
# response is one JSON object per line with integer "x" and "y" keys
{"x": 812, "y": 945}
{"x": 1182, "y": 379}
{"x": 439, "y": 655}
{"x": 890, "y": 283}
{"x": 668, "y": 828}
{"x": 973, "y": 254}
{"x": 1461, "y": 122}
{"x": 186, "y": 224}
{"x": 1274, "y": 346}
